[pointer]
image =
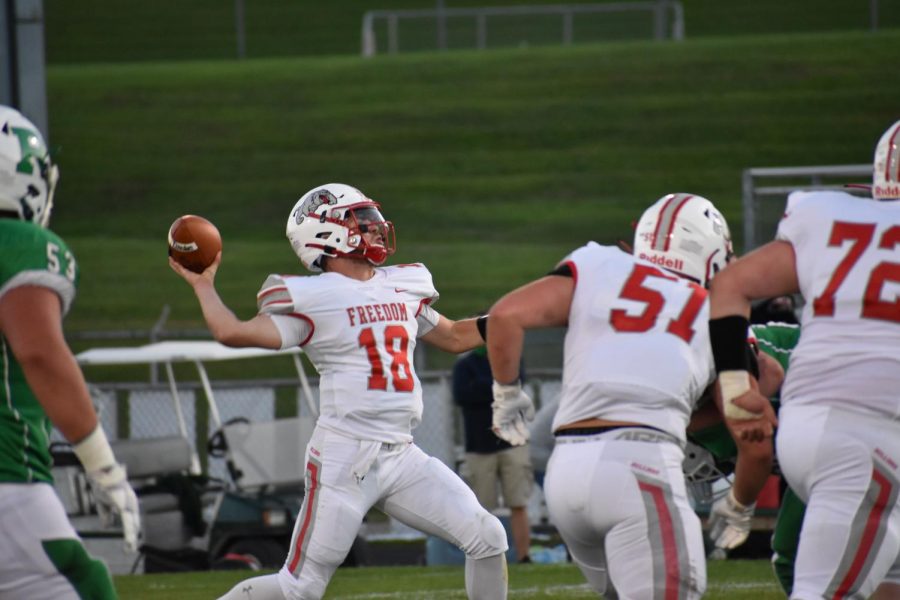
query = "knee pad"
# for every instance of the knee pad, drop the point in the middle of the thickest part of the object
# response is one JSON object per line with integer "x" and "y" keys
{"x": 87, "y": 575}
{"x": 490, "y": 540}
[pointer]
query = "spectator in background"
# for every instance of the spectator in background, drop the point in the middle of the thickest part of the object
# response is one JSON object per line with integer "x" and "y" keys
{"x": 489, "y": 459}
{"x": 541, "y": 438}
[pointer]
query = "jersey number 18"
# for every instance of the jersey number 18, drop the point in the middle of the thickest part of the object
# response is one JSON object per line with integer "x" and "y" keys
{"x": 401, "y": 373}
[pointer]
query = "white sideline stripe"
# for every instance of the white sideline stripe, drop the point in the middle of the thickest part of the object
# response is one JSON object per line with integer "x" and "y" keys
{"x": 747, "y": 585}
{"x": 556, "y": 591}
{"x": 571, "y": 591}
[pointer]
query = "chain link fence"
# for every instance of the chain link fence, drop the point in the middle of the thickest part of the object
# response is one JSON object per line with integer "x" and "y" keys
{"x": 141, "y": 410}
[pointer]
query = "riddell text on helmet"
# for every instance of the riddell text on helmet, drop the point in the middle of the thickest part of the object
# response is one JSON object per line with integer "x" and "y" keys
{"x": 663, "y": 261}
{"x": 886, "y": 191}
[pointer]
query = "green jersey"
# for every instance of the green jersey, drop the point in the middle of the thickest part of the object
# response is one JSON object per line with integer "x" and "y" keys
{"x": 34, "y": 256}
{"x": 777, "y": 340}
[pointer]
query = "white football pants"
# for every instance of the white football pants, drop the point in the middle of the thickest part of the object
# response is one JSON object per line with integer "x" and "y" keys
{"x": 844, "y": 465}
{"x": 31, "y": 514}
{"x": 405, "y": 483}
{"x": 622, "y": 509}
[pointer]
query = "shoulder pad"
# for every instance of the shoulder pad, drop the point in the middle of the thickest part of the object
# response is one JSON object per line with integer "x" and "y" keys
{"x": 274, "y": 296}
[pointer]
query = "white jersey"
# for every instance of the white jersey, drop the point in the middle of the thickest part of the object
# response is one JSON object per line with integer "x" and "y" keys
{"x": 848, "y": 265}
{"x": 637, "y": 347}
{"x": 360, "y": 336}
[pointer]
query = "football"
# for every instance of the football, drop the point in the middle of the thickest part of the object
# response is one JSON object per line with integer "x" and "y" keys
{"x": 194, "y": 242}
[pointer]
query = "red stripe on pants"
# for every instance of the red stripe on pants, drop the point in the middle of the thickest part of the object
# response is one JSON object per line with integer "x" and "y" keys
{"x": 307, "y": 516}
{"x": 667, "y": 533}
{"x": 868, "y": 537}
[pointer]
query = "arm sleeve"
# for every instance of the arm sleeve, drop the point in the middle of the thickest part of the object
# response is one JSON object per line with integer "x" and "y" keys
{"x": 275, "y": 300}
{"x": 427, "y": 318}
{"x": 294, "y": 331}
{"x": 274, "y": 297}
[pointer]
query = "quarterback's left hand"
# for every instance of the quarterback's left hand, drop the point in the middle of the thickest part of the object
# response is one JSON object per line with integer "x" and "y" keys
{"x": 115, "y": 497}
{"x": 512, "y": 409}
{"x": 729, "y": 522}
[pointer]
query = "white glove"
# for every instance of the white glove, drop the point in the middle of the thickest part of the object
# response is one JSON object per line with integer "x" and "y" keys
{"x": 512, "y": 408}
{"x": 109, "y": 483}
{"x": 729, "y": 522}
{"x": 116, "y": 498}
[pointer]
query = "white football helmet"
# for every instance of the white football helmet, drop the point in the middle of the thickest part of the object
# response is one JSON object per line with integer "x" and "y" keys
{"x": 886, "y": 178}
{"x": 330, "y": 220}
{"x": 27, "y": 175}
{"x": 685, "y": 234}
{"x": 700, "y": 473}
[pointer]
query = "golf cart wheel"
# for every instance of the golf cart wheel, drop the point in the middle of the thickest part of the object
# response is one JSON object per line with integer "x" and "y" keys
{"x": 266, "y": 552}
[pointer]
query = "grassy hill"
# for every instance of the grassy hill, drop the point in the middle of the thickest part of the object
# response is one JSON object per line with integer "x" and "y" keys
{"x": 491, "y": 165}
{"x": 116, "y": 31}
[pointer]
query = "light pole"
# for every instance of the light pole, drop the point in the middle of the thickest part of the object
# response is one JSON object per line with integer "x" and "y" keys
{"x": 441, "y": 26}
{"x": 240, "y": 30}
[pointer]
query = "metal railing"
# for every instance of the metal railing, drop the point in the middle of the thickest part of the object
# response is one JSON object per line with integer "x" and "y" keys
{"x": 667, "y": 15}
{"x": 781, "y": 181}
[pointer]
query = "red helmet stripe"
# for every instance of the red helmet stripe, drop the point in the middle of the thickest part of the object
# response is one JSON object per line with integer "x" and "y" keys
{"x": 666, "y": 222}
{"x": 709, "y": 273}
{"x": 892, "y": 164}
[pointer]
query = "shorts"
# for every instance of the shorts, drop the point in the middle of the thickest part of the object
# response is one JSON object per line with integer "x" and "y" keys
{"x": 510, "y": 467}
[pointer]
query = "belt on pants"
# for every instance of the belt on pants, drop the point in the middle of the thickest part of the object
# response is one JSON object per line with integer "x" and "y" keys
{"x": 647, "y": 433}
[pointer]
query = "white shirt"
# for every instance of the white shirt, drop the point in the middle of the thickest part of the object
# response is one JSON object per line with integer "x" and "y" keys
{"x": 637, "y": 346}
{"x": 360, "y": 336}
{"x": 848, "y": 265}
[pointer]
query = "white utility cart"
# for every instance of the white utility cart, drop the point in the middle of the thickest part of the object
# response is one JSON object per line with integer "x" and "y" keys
{"x": 248, "y": 514}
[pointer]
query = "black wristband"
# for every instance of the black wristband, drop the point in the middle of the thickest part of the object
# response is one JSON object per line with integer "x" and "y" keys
{"x": 481, "y": 324}
{"x": 728, "y": 336}
{"x": 752, "y": 360}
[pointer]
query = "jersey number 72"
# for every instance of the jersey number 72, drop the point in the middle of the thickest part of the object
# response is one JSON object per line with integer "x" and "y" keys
{"x": 860, "y": 235}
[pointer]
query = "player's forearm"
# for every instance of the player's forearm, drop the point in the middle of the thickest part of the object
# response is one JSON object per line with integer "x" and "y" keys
{"x": 221, "y": 321}
{"x": 726, "y": 297}
{"x": 504, "y": 344}
{"x": 771, "y": 375}
{"x": 466, "y": 335}
{"x": 766, "y": 272}
{"x": 57, "y": 382}
{"x": 752, "y": 470}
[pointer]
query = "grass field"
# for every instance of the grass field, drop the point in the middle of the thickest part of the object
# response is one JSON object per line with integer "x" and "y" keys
{"x": 731, "y": 580}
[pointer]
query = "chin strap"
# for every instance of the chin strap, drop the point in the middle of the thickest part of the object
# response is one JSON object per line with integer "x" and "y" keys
{"x": 375, "y": 254}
